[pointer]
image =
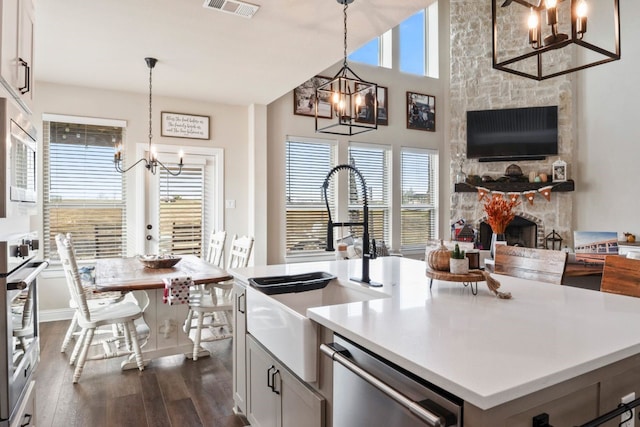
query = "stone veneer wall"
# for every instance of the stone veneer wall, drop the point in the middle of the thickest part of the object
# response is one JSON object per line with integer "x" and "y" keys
{"x": 475, "y": 85}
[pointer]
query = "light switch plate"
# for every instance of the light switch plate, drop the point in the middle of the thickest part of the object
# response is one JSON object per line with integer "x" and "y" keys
{"x": 230, "y": 204}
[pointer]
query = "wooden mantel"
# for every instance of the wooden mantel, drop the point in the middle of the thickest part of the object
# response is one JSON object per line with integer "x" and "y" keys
{"x": 514, "y": 186}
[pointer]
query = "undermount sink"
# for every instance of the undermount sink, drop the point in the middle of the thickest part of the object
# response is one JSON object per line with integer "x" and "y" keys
{"x": 281, "y": 324}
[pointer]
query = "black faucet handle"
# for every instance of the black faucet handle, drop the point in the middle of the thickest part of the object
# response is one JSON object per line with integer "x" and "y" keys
{"x": 330, "y": 237}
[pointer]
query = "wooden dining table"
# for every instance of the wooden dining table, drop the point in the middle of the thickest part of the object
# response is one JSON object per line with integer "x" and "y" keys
{"x": 164, "y": 322}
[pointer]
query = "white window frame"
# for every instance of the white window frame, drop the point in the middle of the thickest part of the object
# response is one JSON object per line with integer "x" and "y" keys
{"x": 309, "y": 254}
{"x": 211, "y": 154}
{"x": 91, "y": 121}
{"x": 436, "y": 197}
{"x": 389, "y": 205}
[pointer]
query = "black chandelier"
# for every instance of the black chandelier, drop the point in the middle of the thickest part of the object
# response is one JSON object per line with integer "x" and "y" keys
{"x": 151, "y": 162}
{"x": 351, "y": 102}
{"x": 566, "y": 27}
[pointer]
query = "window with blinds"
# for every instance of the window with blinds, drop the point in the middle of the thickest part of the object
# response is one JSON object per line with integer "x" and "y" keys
{"x": 307, "y": 165}
{"x": 83, "y": 193}
{"x": 373, "y": 162}
{"x": 419, "y": 206}
{"x": 181, "y": 210}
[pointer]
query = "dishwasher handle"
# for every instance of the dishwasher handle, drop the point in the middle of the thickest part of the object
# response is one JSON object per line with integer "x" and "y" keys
{"x": 416, "y": 408}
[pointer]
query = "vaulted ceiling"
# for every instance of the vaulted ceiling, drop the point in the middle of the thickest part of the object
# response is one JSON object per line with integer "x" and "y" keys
{"x": 203, "y": 54}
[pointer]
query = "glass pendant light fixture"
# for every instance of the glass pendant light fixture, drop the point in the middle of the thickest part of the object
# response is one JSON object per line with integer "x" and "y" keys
{"x": 559, "y": 45}
{"x": 151, "y": 162}
{"x": 351, "y": 101}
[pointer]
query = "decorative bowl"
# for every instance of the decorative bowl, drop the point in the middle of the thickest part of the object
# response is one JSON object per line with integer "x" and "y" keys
{"x": 159, "y": 261}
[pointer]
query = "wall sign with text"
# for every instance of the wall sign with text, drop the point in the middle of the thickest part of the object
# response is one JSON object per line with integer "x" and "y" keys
{"x": 185, "y": 125}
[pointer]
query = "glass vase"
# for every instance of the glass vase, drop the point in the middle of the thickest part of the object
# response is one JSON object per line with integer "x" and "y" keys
{"x": 496, "y": 237}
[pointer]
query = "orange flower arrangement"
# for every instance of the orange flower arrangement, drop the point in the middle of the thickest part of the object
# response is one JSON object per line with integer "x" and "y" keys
{"x": 500, "y": 213}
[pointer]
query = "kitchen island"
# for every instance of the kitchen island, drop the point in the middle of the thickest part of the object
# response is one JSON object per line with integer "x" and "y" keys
{"x": 570, "y": 352}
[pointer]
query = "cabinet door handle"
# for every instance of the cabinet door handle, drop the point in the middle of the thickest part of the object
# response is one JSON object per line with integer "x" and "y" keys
{"x": 27, "y": 77}
{"x": 240, "y": 297}
{"x": 270, "y": 377}
{"x": 273, "y": 381}
{"x": 26, "y": 419}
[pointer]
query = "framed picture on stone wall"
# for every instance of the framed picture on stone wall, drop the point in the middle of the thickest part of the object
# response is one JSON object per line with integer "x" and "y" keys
{"x": 559, "y": 171}
{"x": 421, "y": 111}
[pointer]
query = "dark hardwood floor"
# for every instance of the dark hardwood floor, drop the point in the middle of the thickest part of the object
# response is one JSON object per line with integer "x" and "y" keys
{"x": 171, "y": 391}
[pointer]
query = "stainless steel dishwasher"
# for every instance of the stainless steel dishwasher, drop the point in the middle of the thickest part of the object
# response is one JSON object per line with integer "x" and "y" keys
{"x": 370, "y": 391}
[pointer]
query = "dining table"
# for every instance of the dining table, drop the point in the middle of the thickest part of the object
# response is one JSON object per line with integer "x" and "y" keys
{"x": 162, "y": 322}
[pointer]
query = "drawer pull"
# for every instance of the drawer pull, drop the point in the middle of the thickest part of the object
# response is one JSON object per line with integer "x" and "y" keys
{"x": 27, "y": 419}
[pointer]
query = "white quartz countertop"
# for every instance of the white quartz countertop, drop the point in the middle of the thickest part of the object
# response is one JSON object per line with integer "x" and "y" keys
{"x": 486, "y": 350}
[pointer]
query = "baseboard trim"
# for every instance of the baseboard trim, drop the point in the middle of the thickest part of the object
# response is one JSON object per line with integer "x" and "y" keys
{"x": 55, "y": 314}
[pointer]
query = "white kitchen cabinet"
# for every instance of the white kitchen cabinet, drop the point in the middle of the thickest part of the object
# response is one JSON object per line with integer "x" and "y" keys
{"x": 26, "y": 414}
{"x": 276, "y": 398}
{"x": 239, "y": 347}
{"x": 17, "y": 54}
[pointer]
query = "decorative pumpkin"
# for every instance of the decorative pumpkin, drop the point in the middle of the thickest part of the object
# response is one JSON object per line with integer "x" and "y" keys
{"x": 438, "y": 259}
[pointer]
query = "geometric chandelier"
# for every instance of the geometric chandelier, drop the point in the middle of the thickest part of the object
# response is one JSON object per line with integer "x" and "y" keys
{"x": 558, "y": 40}
{"x": 346, "y": 105}
{"x": 151, "y": 161}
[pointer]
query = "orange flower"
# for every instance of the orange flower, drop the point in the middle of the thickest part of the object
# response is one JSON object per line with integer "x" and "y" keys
{"x": 500, "y": 213}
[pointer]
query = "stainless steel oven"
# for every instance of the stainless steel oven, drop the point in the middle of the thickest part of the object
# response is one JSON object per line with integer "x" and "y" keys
{"x": 19, "y": 341}
{"x": 370, "y": 391}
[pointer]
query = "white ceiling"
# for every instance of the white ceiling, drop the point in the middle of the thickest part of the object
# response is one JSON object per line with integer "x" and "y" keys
{"x": 202, "y": 54}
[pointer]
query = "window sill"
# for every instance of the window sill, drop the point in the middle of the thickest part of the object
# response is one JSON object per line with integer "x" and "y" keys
{"x": 310, "y": 257}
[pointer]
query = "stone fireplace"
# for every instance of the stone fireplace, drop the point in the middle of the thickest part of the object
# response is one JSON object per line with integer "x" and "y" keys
{"x": 475, "y": 85}
{"x": 526, "y": 231}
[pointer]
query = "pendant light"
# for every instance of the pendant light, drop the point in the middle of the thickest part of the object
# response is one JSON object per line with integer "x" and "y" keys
{"x": 151, "y": 162}
{"x": 351, "y": 101}
{"x": 557, "y": 36}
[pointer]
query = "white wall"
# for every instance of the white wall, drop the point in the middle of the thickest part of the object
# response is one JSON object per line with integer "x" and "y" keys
{"x": 608, "y": 145}
{"x": 229, "y": 131}
{"x": 282, "y": 122}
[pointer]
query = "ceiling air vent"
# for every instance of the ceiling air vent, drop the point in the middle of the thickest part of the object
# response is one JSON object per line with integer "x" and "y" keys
{"x": 239, "y": 8}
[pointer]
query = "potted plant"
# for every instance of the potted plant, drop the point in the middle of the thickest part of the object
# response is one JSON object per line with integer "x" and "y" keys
{"x": 499, "y": 214}
{"x": 458, "y": 264}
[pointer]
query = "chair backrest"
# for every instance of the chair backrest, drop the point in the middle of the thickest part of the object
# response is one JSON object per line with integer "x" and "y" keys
{"x": 528, "y": 263}
{"x": 240, "y": 251}
{"x": 621, "y": 275}
{"x": 68, "y": 259}
{"x": 216, "y": 248}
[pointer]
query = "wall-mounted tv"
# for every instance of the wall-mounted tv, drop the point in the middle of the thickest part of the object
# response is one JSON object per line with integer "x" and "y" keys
{"x": 512, "y": 134}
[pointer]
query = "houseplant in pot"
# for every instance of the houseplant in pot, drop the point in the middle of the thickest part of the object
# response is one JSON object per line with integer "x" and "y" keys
{"x": 458, "y": 264}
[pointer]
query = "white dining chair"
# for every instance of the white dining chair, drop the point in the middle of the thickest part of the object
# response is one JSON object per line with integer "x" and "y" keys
{"x": 94, "y": 300}
{"x": 213, "y": 255}
{"x": 121, "y": 313}
{"x": 218, "y": 300}
{"x": 22, "y": 322}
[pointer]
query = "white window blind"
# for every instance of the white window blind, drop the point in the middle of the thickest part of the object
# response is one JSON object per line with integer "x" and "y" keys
{"x": 373, "y": 162}
{"x": 419, "y": 206}
{"x": 307, "y": 165}
{"x": 181, "y": 210}
{"x": 83, "y": 193}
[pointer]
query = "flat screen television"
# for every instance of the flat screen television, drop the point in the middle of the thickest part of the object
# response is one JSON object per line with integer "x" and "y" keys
{"x": 512, "y": 134}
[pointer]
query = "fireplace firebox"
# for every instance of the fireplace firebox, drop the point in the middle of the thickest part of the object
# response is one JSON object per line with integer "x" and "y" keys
{"x": 519, "y": 232}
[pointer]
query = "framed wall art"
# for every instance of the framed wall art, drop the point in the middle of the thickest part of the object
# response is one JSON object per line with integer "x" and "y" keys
{"x": 559, "y": 171}
{"x": 304, "y": 98}
{"x": 178, "y": 125}
{"x": 421, "y": 111}
{"x": 365, "y": 114}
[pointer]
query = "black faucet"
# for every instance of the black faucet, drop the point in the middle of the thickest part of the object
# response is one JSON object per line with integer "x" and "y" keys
{"x": 366, "y": 254}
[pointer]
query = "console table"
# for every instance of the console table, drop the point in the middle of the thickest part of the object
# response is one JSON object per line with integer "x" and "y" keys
{"x": 469, "y": 279}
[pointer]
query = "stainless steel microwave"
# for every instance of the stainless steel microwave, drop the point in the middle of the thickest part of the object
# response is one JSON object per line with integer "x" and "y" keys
{"x": 18, "y": 159}
{"x": 23, "y": 165}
